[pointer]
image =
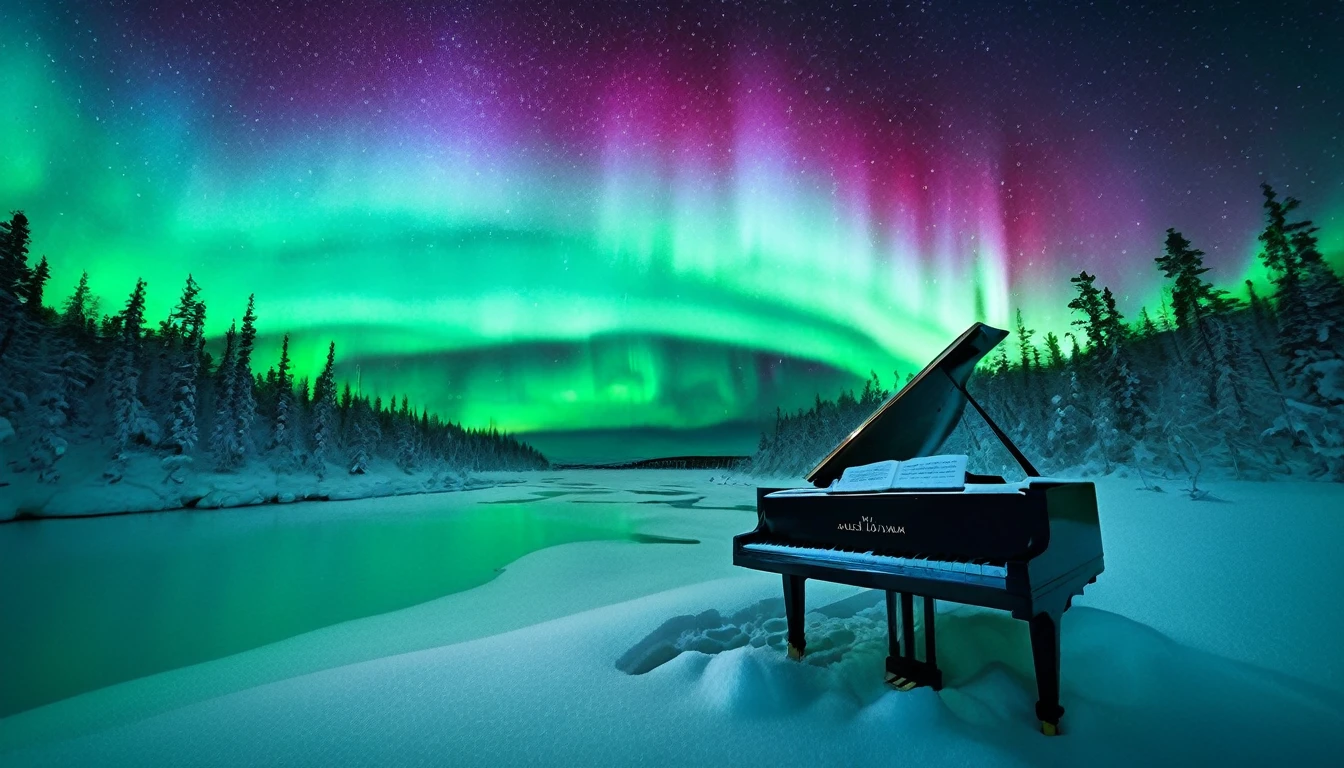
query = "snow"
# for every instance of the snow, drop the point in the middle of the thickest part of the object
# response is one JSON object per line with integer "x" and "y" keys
{"x": 1211, "y": 636}
{"x": 145, "y": 482}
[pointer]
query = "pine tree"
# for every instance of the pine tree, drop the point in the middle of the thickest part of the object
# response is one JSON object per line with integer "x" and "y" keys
{"x": 1071, "y": 430}
{"x": 1302, "y": 294}
{"x": 281, "y": 440}
{"x": 1260, "y": 311}
{"x": 1112, "y": 325}
{"x": 128, "y": 414}
{"x": 324, "y": 414}
{"x": 366, "y": 436}
{"x": 1323, "y": 300}
{"x": 1089, "y": 303}
{"x": 183, "y": 433}
{"x": 1054, "y": 355}
{"x": 65, "y": 372}
{"x": 244, "y": 394}
{"x": 224, "y": 437}
{"x": 34, "y": 287}
{"x": 1191, "y": 295}
{"x": 406, "y": 449}
{"x": 15, "y": 239}
{"x": 16, "y": 330}
{"x": 1147, "y": 328}
{"x": 79, "y": 309}
{"x": 998, "y": 366}
{"x": 1024, "y": 345}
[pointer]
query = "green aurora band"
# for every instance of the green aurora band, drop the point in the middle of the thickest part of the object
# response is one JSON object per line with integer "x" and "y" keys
{"x": 526, "y": 290}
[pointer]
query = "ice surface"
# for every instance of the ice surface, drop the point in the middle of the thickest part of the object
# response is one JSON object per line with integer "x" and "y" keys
{"x": 1190, "y": 649}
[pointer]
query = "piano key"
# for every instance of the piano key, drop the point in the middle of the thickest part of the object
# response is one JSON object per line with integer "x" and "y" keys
{"x": 922, "y": 567}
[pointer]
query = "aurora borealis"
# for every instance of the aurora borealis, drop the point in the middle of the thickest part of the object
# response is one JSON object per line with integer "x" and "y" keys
{"x": 552, "y": 216}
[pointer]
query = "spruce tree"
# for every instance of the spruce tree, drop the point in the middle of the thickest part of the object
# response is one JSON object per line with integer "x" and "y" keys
{"x": 1024, "y": 345}
{"x": 1112, "y": 325}
{"x": 16, "y": 330}
{"x": 15, "y": 239}
{"x": 190, "y": 313}
{"x": 1089, "y": 303}
{"x": 1302, "y": 295}
{"x": 79, "y": 309}
{"x": 281, "y": 439}
{"x": 224, "y": 445}
{"x": 1147, "y": 328}
{"x": 1054, "y": 355}
{"x": 244, "y": 394}
{"x": 1190, "y": 293}
{"x": 324, "y": 414}
{"x": 128, "y": 415}
{"x": 365, "y": 438}
{"x": 35, "y": 286}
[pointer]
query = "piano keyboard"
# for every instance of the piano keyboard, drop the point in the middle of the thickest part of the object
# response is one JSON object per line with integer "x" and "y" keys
{"x": 924, "y": 568}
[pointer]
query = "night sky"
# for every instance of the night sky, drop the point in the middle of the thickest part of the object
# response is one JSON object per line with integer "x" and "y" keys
{"x": 554, "y": 216}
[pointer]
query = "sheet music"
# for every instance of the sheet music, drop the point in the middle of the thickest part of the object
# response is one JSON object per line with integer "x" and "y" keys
{"x": 868, "y": 477}
{"x": 801, "y": 492}
{"x": 932, "y": 472}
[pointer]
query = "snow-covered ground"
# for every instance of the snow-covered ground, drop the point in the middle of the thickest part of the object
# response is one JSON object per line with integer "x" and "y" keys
{"x": 144, "y": 485}
{"x": 1213, "y": 635}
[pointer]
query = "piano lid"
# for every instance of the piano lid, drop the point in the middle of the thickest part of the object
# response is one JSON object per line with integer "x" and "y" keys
{"x": 917, "y": 419}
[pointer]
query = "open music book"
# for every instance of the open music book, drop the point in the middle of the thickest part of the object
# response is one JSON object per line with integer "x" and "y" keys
{"x": 924, "y": 473}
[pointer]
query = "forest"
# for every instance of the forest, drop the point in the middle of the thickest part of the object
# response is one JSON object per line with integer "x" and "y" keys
{"x": 77, "y": 375}
{"x": 1211, "y": 386}
{"x": 1206, "y": 386}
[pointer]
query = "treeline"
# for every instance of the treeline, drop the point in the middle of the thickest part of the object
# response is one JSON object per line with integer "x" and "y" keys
{"x": 1212, "y": 385}
{"x": 76, "y": 374}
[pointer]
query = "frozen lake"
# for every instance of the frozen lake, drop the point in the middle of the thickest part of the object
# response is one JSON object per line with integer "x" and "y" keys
{"x": 1197, "y": 645}
{"x": 100, "y": 601}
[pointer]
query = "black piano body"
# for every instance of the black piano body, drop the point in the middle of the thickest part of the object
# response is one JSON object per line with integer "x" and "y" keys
{"x": 1027, "y": 548}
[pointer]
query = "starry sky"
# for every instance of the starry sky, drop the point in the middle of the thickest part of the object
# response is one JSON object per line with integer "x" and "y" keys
{"x": 593, "y": 218}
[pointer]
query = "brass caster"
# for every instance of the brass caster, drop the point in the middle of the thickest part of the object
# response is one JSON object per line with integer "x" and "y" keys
{"x": 900, "y": 683}
{"x": 795, "y": 652}
{"x": 1049, "y": 729}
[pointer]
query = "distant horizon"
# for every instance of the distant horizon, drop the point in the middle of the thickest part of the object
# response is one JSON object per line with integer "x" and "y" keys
{"x": 609, "y": 446}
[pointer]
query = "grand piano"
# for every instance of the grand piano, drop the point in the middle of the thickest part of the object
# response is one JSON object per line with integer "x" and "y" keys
{"x": 1026, "y": 547}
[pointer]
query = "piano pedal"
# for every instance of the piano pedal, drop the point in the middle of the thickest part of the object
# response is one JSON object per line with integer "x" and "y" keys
{"x": 1049, "y": 729}
{"x": 795, "y": 652}
{"x": 900, "y": 683}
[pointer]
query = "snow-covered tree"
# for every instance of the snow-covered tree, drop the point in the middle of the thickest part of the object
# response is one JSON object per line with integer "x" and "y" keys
{"x": 224, "y": 443}
{"x": 244, "y": 389}
{"x": 79, "y": 311}
{"x": 34, "y": 287}
{"x": 324, "y": 415}
{"x": 65, "y": 372}
{"x": 131, "y": 422}
{"x": 282, "y": 438}
{"x": 365, "y": 436}
{"x": 183, "y": 433}
{"x": 1089, "y": 304}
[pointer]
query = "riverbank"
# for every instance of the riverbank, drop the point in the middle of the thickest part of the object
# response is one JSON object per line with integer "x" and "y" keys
{"x": 142, "y": 484}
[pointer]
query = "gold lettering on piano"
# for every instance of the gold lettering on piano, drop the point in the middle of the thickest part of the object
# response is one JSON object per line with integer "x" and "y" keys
{"x": 866, "y": 525}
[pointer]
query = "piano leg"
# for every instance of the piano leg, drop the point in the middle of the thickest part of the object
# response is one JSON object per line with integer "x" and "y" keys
{"x": 908, "y": 624}
{"x": 893, "y": 636}
{"x": 793, "y": 614}
{"x": 904, "y": 669}
{"x": 1045, "y": 654}
{"x": 930, "y": 652}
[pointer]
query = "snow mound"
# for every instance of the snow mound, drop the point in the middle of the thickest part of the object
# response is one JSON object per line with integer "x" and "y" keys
{"x": 1126, "y": 686}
